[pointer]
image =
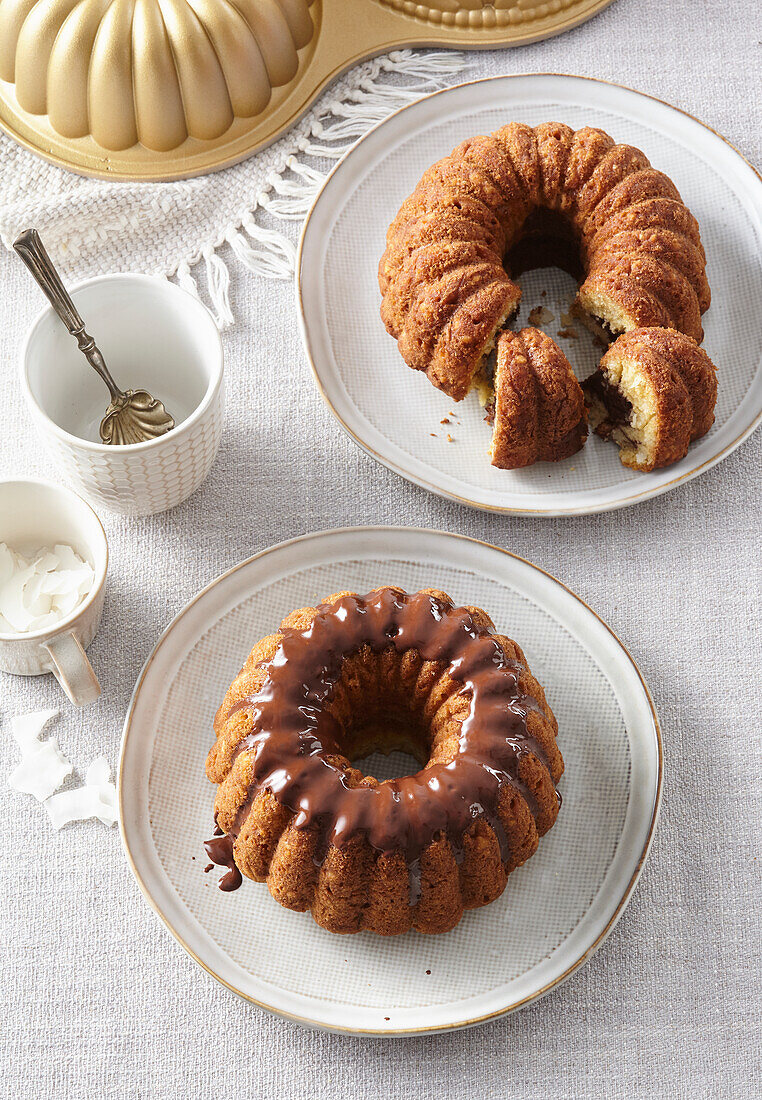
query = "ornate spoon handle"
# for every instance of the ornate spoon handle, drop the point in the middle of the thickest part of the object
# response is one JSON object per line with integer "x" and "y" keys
{"x": 32, "y": 251}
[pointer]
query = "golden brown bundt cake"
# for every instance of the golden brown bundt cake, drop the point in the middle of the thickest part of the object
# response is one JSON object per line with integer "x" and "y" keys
{"x": 537, "y": 410}
{"x": 653, "y": 394}
{"x": 382, "y": 672}
{"x": 446, "y": 293}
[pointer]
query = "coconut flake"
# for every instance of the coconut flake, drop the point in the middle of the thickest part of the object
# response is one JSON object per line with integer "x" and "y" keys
{"x": 12, "y": 605}
{"x": 96, "y": 799}
{"x": 66, "y": 557}
{"x": 37, "y": 593}
{"x": 43, "y": 766}
{"x": 7, "y": 563}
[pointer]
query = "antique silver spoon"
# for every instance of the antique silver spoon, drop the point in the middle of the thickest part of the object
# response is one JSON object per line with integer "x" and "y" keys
{"x": 133, "y": 416}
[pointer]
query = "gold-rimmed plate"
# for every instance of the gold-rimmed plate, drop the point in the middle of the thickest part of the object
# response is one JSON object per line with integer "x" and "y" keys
{"x": 555, "y": 911}
{"x": 398, "y": 417}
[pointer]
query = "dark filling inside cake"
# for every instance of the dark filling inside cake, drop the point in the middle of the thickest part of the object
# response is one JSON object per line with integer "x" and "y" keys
{"x": 609, "y": 409}
{"x": 601, "y": 329}
{"x": 489, "y": 366}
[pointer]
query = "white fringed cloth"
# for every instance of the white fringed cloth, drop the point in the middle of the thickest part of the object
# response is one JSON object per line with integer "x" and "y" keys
{"x": 181, "y": 230}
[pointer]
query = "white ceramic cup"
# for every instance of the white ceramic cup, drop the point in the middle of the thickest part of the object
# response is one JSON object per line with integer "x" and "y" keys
{"x": 35, "y": 514}
{"x": 154, "y": 336}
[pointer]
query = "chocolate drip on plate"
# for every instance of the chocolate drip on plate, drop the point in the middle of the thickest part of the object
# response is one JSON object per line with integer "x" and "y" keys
{"x": 220, "y": 851}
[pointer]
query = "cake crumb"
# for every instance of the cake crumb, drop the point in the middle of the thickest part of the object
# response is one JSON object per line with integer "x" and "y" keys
{"x": 540, "y": 316}
{"x": 445, "y": 420}
{"x": 434, "y": 434}
{"x": 450, "y": 438}
{"x": 428, "y": 971}
{"x": 567, "y": 319}
{"x": 567, "y": 334}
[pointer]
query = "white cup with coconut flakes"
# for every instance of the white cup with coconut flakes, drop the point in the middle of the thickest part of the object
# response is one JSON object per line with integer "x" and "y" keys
{"x": 35, "y": 518}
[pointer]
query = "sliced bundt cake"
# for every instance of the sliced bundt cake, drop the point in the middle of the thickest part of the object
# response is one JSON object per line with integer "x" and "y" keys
{"x": 446, "y": 292}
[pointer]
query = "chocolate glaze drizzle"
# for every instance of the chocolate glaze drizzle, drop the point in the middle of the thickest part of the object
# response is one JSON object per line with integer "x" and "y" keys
{"x": 293, "y": 731}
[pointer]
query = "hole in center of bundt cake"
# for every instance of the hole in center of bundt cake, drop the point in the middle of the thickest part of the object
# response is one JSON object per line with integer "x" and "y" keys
{"x": 547, "y": 240}
{"x": 380, "y": 715}
{"x": 386, "y": 728}
{"x": 391, "y": 765}
{"x": 547, "y": 265}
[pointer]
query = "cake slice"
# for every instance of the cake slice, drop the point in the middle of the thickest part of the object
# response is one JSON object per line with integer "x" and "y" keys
{"x": 537, "y": 409}
{"x": 653, "y": 394}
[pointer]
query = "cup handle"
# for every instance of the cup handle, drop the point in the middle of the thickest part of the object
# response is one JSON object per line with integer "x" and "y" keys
{"x": 72, "y": 669}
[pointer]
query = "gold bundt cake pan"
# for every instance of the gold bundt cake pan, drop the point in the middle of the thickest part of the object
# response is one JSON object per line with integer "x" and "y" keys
{"x": 166, "y": 89}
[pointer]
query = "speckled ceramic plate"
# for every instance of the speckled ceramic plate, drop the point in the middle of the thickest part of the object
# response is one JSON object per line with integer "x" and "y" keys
{"x": 555, "y": 911}
{"x": 398, "y": 417}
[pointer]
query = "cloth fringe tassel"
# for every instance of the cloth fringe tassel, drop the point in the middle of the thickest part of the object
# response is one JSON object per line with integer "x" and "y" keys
{"x": 385, "y": 84}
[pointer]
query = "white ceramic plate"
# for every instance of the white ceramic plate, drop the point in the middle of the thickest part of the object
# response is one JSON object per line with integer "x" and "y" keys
{"x": 392, "y": 411}
{"x": 554, "y": 912}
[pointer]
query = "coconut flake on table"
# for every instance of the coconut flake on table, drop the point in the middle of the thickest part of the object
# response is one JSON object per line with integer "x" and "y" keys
{"x": 39, "y": 592}
{"x": 43, "y": 766}
{"x": 96, "y": 799}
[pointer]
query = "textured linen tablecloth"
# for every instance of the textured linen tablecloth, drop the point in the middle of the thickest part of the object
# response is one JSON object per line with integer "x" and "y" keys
{"x": 96, "y": 998}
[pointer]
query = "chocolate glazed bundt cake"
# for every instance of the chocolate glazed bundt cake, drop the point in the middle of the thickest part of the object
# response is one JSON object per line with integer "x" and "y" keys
{"x": 653, "y": 394}
{"x": 382, "y": 672}
{"x": 538, "y": 409}
{"x": 446, "y": 291}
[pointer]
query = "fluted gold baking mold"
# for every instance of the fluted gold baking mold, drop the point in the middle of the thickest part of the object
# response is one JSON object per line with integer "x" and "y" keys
{"x": 165, "y": 89}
